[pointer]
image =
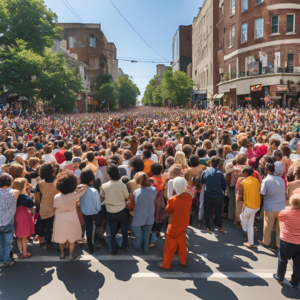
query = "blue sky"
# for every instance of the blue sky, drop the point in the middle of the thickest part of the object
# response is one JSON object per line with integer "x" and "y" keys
{"x": 155, "y": 20}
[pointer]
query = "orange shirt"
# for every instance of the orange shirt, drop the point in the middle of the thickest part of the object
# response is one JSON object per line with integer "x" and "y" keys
{"x": 180, "y": 207}
{"x": 147, "y": 165}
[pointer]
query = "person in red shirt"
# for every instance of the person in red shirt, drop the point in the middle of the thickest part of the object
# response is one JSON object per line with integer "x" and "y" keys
{"x": 59, "y": 155}
{"x": 179, "y": 209}
{"x": 289, "y": 241}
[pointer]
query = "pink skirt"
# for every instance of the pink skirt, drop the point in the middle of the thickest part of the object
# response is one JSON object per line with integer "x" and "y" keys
{"x": 24, "y": 226}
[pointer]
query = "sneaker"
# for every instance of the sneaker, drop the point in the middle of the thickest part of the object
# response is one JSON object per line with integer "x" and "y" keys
{"x": 295, "y": 286}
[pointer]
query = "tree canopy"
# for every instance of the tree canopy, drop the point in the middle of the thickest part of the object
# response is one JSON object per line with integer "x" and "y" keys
{"x": 176, "y": 87}
{"x": 127, "y": 91}
{"x": 29, "y": 65}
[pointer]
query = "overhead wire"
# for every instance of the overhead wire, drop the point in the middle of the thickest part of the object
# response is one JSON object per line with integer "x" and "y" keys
{"x": 136, "y": 31}
{"x": 72, "y": 10}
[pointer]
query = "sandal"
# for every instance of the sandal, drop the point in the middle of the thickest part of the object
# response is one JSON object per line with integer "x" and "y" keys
{"x": 73, "y": 256}
{"x": 62, "y": 256}
{"x": 26, "y": 255}
{"x": 207, "y": 230}
{"x": 275, "y": 246}
{"x": 263, "y": 244}
{"x": 221, "y": 230}
{"x": 199, "y": 224}
{"x": 151, "y": 245}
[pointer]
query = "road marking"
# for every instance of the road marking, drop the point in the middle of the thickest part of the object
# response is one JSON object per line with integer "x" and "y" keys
{"x": 88, "y": 257}
{"x": 216, "y": 275}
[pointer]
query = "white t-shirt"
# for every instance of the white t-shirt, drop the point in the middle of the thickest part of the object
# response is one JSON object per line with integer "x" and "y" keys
{"x": 154, "y": 158}
{"x": 48, "y": 158}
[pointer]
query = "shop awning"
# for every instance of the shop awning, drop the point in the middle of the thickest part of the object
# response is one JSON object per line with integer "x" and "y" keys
{"x": 215, "y": 96}
{"x": 219, "y": 96}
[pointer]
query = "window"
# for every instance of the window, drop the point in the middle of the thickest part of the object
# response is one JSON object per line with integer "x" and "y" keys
{"x": 233, "y": 73}
{"x": 232, "y": 7}
{"x": 259, "y": 1}
{"x": 232, "y": 36}
{"x": 93, "y": 41}
{"x": 71, "y": 42}
{"x": 290, "y": 62}
{"x": 259, "y": 28}
{"x": 244, "y": 5}
{"x": 290, "y": 23}
{"x": 244, "y": 32}
{"x": 275, "y": 22}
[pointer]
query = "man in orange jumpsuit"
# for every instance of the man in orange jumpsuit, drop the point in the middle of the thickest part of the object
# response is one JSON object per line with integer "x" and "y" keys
{"x": 179, "y": 209}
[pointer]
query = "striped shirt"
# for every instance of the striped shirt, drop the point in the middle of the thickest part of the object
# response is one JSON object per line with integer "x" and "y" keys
{"x": 290, "y": 228}
{"x": 8, "y": 206}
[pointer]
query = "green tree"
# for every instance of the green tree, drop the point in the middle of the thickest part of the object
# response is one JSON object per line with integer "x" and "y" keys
{"x": 147, "y": 99}
{"x": 59, "y": 81}
{"x": 107, "y": 96}
{"x": 157, "y": 96}
{"x": 127, "y": 91}
{"x": 30, "y": 21}
{"x": 17, "y": 68}
{"x": 177, "y": 87}
{"x": 101, "y": 79}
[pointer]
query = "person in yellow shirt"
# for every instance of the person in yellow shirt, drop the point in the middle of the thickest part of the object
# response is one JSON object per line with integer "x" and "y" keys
{"x": 249, "y": 190}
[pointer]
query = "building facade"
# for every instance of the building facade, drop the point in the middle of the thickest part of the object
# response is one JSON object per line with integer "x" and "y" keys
{"x": 258, "y": 52}
{"x": 205, "y": 53}
{"x": 96, "y": 54}
{"x": 182, "y": 48}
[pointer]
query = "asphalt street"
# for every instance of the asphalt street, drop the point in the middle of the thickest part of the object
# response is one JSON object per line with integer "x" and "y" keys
{"x": 218, "y": 267}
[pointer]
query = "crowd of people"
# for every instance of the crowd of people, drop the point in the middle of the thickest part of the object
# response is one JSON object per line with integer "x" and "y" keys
{"x": 95, "y": 179}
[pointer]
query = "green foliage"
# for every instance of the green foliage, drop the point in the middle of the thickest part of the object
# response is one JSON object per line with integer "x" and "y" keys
{"x": 107, "y": 95}
{"x": 177, "y": 87}
{"x": 30, "y": 21}
{"x": 127, "y": 91}
{"x": 57, "y": 82}
{"x": 17, "y": 67}
{"x": 225, "y": 77}
{"x": 101, "y": 79}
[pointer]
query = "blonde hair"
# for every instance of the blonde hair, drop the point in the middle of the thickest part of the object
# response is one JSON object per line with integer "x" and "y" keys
{"x": 180, "y": 159}
{"x": 33, "y": 161}
{"x": 19, "y": 184}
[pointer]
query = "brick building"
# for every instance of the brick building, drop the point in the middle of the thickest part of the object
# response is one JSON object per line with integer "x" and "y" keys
{"x": 258, "y": 52}
{"x": 205, "y": 54}
{"x": 182, "y": 48}
{"x": 98, "y": 56}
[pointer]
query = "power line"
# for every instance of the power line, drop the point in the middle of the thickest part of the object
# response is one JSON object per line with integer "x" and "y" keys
{"x": 136, "y": 31}
{"x": 72, "y": 10}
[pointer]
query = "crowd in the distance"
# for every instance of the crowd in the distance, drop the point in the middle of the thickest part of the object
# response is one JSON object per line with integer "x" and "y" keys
{"x": 95, "y": 179}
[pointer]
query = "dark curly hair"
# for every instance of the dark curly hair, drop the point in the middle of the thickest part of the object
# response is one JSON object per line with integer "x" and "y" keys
{"x": 5, "y": 179}
{"x": 156, "y": 169}
{"x": 137, "y": 163}
{"x": 66, "y": 182}
{"x": 86, "y": 176}
{"x": 187, "y": 150}
{"x": 49, "y": 170}
{"x": 113, "y": 172}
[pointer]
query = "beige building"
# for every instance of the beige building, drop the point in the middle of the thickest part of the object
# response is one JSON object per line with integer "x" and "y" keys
{"x": 204, "y": 52}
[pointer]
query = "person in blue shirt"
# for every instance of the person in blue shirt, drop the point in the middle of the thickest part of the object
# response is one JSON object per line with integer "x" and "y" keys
{"x": 215, "y": 186}
{"x": 90, "y": 206}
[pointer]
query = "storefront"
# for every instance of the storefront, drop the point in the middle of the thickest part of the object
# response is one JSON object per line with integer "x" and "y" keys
{"x": 199, "y": 99}
{"x": 244, "y": 100}
{"x": 218, "y": 100}
{"x": 257, "y": 95}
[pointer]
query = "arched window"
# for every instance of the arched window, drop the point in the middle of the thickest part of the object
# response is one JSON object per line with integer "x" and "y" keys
{"x": 92, "y": 41}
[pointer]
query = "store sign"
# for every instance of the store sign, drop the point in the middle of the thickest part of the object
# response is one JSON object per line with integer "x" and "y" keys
{"x": 248, "y": 98}
{"x": 267, "y": 99}
{"x": 281, "y": 88}
{"x": 256, "y": 88}
{"x": 294, "y": 87}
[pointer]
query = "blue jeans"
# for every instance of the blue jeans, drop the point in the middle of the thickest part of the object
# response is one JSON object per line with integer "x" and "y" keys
{"x": 6, "y": 237}
{"x": 113, "y": 220}
{"x": 142, "y": 237}
{"x": 288, "y": 251}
